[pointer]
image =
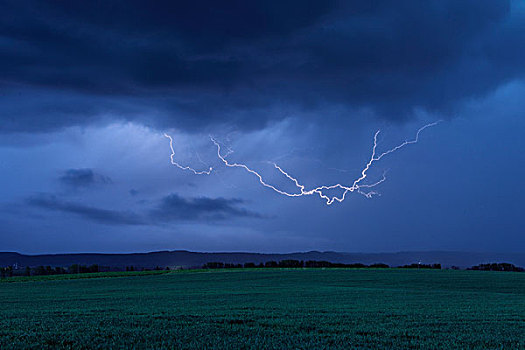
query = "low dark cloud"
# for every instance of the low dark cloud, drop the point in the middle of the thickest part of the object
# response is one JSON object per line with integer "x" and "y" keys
{"x": 172, "y": 208}
{"x": 197, "y": 63}
{"x": 176, "y": 208}
{"x": 103, "y": 216}
{"x": 79, "y": 178}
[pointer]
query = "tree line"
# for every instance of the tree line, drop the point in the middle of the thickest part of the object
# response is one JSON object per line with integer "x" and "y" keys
{"x": 11, "y": 271}
{"x": 327, "y": 264}
{"x": 497, "y": 267}
{"x": 288, "y": 264}
{"x": 422, "y": 266}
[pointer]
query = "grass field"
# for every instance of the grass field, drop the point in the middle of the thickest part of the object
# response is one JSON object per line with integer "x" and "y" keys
{"x": 268, "y": 308}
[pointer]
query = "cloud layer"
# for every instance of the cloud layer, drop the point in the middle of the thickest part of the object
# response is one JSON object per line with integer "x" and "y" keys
{"x": 191, "y": 65}
{"x": 103, "y": 216}
{"x": 170, "y": 209}
{"x": 79, "y": 178}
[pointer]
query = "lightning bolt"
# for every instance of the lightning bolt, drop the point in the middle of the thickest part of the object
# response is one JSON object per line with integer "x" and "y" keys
{"x": 182, "y": 167}
{"x": 365, "y": 189}
{"x": 357, "y": 185}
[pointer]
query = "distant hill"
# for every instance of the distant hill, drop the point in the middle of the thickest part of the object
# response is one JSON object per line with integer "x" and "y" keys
{"x": 195, "y": 259}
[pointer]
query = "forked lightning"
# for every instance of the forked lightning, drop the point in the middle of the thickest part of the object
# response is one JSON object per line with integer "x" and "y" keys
{"x": 357, "y": 185}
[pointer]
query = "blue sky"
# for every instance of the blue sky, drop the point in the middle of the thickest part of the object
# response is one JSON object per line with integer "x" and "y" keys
{"x": 89, "y": 89}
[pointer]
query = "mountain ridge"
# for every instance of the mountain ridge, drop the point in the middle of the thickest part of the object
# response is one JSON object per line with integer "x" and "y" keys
{"x": 188, "y": 259}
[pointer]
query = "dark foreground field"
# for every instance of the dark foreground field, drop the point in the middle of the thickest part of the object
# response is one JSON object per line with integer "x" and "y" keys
{"x": 310, "y": 308}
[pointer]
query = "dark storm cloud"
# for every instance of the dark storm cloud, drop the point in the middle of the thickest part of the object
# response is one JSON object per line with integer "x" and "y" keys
{"x": 83, "y": 178}
{"x": 191, "y": 64}
{"x": 176, "y": 208}
{"x": 172, "y": 208}
{"x": 103, "y": 216}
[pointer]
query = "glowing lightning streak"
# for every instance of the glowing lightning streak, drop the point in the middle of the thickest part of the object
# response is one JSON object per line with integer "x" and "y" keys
{"x": 355, "y": 187}
{"x": 203, "y": 172}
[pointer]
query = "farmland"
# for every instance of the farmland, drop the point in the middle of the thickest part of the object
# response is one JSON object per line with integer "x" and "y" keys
{"x": 267, "y": 308}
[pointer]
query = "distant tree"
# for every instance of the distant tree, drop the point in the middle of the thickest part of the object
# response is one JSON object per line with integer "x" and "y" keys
{"x": 40, "y": 270}
{"x": 249, "y": 265}
{"x": 93, "y": 268}
{"x": 314, "y": 263}
{"x": 28, "y": 271}
{"x": 291, "y": 263}
{"x": 75, "y": 268}
{"x": 271, "y": 264}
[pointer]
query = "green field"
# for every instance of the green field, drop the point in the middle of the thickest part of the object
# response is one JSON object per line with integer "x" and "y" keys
{"x": 268, "y": 308}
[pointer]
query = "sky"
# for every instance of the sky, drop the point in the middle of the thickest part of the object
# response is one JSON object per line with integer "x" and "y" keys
{"x": 88, "y": 89}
